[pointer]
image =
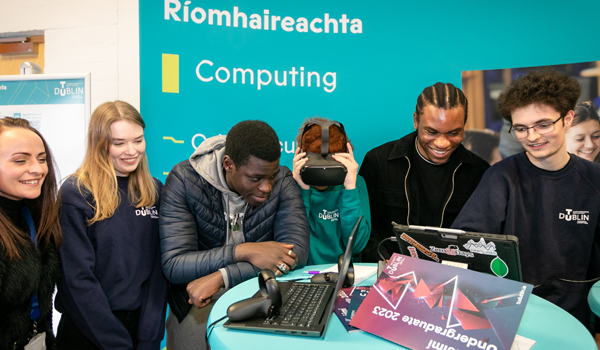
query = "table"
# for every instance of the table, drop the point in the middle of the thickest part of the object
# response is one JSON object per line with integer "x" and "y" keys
{"x": 551, "y": 326}
{"x": 594, "y": 298}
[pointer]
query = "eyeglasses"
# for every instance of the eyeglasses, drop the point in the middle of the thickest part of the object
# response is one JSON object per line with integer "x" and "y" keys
{"x": 521, "y": 132}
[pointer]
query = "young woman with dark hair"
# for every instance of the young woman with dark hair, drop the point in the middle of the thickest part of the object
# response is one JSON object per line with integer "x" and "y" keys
{"x": 29, "y": 235}
{"x": 113, "y": 293}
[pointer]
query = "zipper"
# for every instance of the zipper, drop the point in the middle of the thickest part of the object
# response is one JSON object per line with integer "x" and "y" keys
{"x": 406, "y": 192}
{"x": 451, "y": 193}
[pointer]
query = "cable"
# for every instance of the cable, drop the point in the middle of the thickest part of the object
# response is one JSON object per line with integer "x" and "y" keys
{"x": 566, "y": 280}
{"x": 209, "y": 330}
{"x": 393, "y": 239}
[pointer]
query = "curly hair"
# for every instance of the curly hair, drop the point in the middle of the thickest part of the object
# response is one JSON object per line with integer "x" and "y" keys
{"x": 252, "y": 138}
{"x": 546, "y": 87}
{"x": 444, "y": 96}
{"x": 311, "y": 142}
{"x": 584, "y": 111}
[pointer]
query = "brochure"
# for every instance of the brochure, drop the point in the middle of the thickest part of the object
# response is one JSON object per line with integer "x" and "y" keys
{"x": 425, "y": 305}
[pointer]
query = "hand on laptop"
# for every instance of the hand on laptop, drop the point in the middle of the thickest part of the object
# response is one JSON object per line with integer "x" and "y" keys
{"x": 202, "y": 289}
{"x": 300, "y": 159}
{"x": 275, "y": 256}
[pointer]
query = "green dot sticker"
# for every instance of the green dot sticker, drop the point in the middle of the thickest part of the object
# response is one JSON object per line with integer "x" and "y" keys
{"x": 499, "y": 267}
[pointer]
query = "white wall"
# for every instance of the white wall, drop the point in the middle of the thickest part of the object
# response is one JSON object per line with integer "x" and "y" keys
{"x": 97, "y": 36}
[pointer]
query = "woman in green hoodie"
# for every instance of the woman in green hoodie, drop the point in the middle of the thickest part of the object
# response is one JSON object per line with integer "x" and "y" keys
{"x": 332, "y": 210}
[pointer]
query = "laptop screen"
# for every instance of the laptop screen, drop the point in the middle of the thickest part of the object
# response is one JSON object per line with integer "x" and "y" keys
{"x": 342, "y": 274}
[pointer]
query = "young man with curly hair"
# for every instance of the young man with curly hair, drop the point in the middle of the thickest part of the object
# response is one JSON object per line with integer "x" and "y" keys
{"x": 548, "y": 198}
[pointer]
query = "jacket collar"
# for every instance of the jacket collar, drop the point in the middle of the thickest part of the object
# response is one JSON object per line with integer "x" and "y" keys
{"x": 405, "y": 145}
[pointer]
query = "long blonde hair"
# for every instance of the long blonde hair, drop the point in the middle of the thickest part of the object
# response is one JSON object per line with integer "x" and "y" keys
{"x": 97, "y": 173}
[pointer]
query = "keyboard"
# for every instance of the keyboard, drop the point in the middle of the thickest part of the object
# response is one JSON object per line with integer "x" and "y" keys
{"x": 304, "y": 306}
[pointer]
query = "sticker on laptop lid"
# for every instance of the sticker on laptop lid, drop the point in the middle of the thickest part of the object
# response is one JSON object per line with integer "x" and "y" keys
{"x": 413, "y": 252}
{"x": 451, "y": 250}
{"x": 499, "y": 267}
{"x": 481, "y": 247}
{"x": 408, "y": 239}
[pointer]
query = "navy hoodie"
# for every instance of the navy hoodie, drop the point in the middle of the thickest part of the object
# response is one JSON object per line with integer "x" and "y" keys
{"x": 554, "y": 214}
{"x": 112, "y": 265}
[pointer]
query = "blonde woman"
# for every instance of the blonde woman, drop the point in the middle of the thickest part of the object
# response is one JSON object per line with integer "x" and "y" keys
{"x": 113, "y": 293}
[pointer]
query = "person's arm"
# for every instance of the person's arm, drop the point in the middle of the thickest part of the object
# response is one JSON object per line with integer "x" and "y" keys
{"x": 82, "y": 295}
{"x": 355, "y": 203}
{"x": 151, "y": 326}
{"x": 291, "y": 223}
{"x": 485, "y": 211}
{"x": 182, "y": 262}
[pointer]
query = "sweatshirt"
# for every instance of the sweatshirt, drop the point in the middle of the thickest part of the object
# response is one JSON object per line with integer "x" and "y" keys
{"x": 332, "y": 215}
{"x": 112, "y": 265}
{"x": 554, "y": 214}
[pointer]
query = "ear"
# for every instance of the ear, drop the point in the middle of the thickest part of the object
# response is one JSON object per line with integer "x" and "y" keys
{"x": 415, "y": 120}
{"x": 228, "y": 164}
{"x": 569, "y": 119}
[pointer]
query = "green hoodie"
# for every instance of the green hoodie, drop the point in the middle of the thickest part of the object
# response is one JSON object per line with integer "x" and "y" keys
{"x": 332, "y": 214}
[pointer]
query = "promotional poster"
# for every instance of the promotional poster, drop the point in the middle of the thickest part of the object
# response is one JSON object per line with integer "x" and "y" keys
{"x": 425, "y": 305}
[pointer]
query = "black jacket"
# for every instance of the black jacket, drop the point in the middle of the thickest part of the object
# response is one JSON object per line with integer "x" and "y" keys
{"x": 393, "y": 190}
{"x": 193, "y": 230}
{"x": 36, "y": 271}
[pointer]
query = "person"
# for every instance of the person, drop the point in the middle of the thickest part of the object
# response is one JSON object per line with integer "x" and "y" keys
{"x": 332, "y": 210}
{"x": 227, "y": 212}
{"x": 583, "y": 137}
{"x": 544, "y": 196}
{"x": 483, "y": 143}
{"x": 112, "y": 294}
{"x": 425, "y": 177}
{"x": 29, "y": 265}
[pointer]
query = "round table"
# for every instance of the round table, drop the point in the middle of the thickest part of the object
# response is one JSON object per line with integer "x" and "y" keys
{"x": 594, "y": 298}
{"x": 544, "y": 322}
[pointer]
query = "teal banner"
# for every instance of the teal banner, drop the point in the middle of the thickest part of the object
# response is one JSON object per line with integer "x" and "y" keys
{"x": 206, "y": 65}
{"x": 42, "y": 92}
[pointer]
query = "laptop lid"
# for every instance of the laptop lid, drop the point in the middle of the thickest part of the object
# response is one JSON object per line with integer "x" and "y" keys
{"x": 342, "y": 274}
{"x": 488, "y": 253}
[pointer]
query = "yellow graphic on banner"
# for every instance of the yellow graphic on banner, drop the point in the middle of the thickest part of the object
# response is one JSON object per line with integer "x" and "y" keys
{"x": 170, "y": 73}
{"x": 172, "y": 139}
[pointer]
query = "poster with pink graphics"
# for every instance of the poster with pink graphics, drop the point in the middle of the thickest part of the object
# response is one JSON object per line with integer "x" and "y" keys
{"x": 425, "y": 305}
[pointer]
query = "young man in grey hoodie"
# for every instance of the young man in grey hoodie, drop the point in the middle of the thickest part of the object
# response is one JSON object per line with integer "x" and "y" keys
{"x": 226, "y": 213}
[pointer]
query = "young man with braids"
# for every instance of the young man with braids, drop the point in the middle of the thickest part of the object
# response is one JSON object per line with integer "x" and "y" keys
{"x": 226, "y": 213}
{"x": 426, "y": 177}
{"x": 548, "y": 198}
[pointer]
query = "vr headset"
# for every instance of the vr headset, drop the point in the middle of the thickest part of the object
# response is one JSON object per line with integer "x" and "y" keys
{"x": 321, "y": 169}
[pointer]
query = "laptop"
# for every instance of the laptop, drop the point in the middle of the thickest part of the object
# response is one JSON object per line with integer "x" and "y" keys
{"x": 488, "y": 253}
{"x": 306, "y": 307}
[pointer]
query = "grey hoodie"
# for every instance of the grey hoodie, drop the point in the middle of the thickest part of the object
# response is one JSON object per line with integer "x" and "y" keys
{"x": 207, "y": 160}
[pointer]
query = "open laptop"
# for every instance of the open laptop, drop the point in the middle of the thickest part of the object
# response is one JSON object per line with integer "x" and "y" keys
{"x": 489, "y": 253}
{"x": 306, "y": 307}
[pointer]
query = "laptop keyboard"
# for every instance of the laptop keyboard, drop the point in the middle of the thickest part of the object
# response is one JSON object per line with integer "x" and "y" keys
{"x": 305, "y": 305}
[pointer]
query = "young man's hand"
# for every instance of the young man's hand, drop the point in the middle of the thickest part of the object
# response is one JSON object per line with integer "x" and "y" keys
{"x": 299, "y": 160}
{"x": 347, "y": 159}
{"x": 275, "y": 256}
{"x": 202, "y": 289}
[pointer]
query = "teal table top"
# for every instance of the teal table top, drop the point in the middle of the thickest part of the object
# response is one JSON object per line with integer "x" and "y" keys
{"x": 594, "y": 298}
{"x": 544, "y": 322}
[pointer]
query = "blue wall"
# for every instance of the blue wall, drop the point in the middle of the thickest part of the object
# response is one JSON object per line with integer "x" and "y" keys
{"x": 404, "y": 46}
